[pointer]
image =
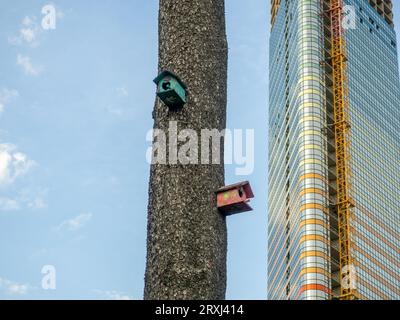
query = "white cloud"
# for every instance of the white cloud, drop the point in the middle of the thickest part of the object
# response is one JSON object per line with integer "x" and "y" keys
{"x": 14, "y": 288}
{"x": 6, "y": 95}
{"x": 13, "y": 164}
{"x": 33, "y": 198}
{"x": 26, "y": 64}
{"x": 113, "y": 295}
{"x": 28, "y": 32}
{"x": 37, "y": 203}
{"x": 28, "y": 198}
{"x": 7, "y": 204}
{"x": 31, "y": 30}
{"x": 75, "y": 223}
{"x": 18, "y": 289}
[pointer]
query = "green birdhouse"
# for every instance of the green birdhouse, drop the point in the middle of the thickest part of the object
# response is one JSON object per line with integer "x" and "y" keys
{"x": 171, "y": 90}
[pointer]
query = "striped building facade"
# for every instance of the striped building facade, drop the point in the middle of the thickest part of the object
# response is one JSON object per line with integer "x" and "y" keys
{"x": 303, "y": 250}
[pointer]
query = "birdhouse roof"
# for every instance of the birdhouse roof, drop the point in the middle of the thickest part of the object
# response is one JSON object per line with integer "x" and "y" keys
{"x": 165, "y": 73}
{"x": 245, "y": 184}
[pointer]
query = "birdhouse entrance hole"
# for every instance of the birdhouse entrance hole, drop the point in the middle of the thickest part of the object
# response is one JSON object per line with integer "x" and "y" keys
{"x": 166, "y": 85}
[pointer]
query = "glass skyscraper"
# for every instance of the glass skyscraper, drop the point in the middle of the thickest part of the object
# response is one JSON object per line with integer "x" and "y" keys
{"x": 303, "y": 246}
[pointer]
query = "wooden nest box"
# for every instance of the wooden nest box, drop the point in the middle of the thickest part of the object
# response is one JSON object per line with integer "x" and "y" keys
{"x": 234, "y": 198}
{"x": 171, "y": 90}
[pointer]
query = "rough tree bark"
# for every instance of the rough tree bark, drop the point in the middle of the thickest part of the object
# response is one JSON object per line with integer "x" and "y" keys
{"x": 187, "y": 237}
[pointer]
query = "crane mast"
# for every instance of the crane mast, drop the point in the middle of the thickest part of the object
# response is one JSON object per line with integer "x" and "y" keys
{"x": 345, "y": 203}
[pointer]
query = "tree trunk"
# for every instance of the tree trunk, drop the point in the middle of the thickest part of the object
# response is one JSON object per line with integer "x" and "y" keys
{"x": 187, "y": 237}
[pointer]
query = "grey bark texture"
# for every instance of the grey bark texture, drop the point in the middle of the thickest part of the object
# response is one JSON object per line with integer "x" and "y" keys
{"x": 187, "y": 236}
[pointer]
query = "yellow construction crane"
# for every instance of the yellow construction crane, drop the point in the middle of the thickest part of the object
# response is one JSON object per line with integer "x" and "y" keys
{"x": 345, "y": 203}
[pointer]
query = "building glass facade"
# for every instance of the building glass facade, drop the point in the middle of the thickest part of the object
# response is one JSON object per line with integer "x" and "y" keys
{"x": 302, "y": 226}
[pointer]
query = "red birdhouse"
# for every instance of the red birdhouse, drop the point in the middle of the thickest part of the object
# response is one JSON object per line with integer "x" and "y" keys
{"x": 234, "y": 198}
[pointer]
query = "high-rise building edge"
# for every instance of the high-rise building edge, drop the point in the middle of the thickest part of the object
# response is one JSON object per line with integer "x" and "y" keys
{"x": 334, "y": 151}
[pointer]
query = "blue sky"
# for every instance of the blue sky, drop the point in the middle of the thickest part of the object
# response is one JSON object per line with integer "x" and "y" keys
{"x": 75, "y": 107}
